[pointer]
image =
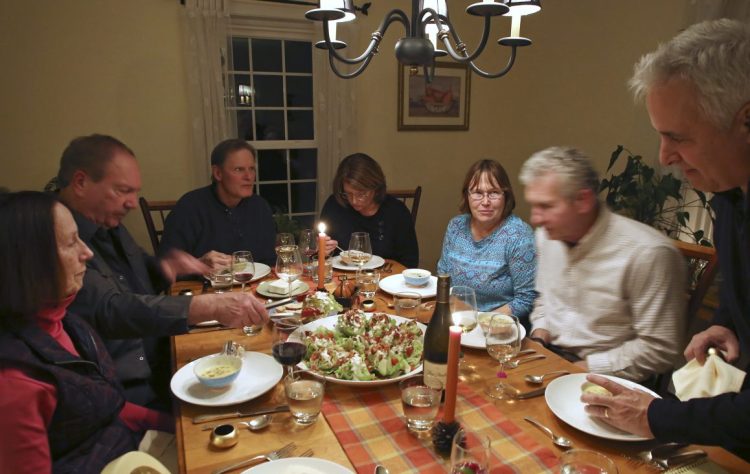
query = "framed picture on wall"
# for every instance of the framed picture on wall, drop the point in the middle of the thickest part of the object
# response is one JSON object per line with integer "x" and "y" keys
{"x": 442, "y": 104}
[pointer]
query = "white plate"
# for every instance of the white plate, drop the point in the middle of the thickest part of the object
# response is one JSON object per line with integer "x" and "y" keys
{"x": 396, "y": 284}
{"x": 259, "y": 374}
{"x": 330, "y": 323}
{"x": 261, "y": 271}
{"x": 297, "y": 289}
{"x": 476, "y": 340}
{"x": 299, "y": 466}
{"x": 563, "y": 396}
{"x": 375, "y": 262}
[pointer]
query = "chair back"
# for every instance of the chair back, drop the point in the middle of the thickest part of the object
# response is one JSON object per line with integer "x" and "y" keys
{"x": 702, "y": 265}
{"x": 408, "y": 194}
{"x": 160, "y": 209}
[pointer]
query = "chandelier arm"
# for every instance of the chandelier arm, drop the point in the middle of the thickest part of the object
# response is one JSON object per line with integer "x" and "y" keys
{"x": 392, "y": 16}
{"x": 354, "y": 73}
{"x": 461, "y": 55}
{"x": 501, "y": 73}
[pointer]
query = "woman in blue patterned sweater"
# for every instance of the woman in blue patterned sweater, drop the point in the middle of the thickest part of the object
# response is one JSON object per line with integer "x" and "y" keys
{"x": 487, "y": 247}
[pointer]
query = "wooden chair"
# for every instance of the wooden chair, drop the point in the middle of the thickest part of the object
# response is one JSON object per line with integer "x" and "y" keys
{"x": 405, "y": 195}
{"x": 702, "y": 265}
{"x": 160, "y": 208}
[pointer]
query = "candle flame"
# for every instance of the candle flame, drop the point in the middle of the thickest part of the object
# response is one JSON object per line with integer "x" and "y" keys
{"x": 322, "y": 228}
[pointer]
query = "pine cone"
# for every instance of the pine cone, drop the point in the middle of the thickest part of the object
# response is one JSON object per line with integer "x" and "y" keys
{"x": 442, "y": 436}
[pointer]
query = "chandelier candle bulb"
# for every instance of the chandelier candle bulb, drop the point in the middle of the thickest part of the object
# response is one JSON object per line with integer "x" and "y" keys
{"x": 515, "y": 26}
{"x": 451, "y": 384}
{"x": 321, "y": 256}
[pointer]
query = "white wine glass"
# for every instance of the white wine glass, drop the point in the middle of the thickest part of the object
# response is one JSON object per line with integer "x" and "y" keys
{"x": 289, "y": 265}
{"x": 243, "y": 267}
{"x": 360, "y": 249}
{"x": 463, "y": 303}
{"x": 503, "y": 339}
{"x": 308, "y": 246}
{"x": 283, "y": 241}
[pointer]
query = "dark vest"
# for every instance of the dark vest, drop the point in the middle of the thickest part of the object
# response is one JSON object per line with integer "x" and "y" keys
{"x": 86, "y": 432}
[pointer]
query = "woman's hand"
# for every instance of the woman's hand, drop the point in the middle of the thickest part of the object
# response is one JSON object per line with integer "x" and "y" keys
{"x": 330, "y": 245}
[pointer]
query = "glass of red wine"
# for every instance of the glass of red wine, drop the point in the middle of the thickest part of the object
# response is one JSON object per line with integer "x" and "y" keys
{"x": 243, "y": 268}
{"x": 287, "y": 351}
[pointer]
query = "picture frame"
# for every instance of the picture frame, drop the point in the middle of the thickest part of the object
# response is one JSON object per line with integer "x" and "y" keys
{"x": 441, "y": 105}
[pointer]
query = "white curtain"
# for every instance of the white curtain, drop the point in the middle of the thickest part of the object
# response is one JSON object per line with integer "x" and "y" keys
{"x": 337, "y": 128}
{"x": 206, "y": 26}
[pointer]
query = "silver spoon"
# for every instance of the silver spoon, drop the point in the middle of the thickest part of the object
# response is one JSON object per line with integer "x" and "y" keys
{"x": 253, "y": 424}
{"x": 380, "y": 469}
{"x": 539, "y": 379}
{"x": 559, "y": 441}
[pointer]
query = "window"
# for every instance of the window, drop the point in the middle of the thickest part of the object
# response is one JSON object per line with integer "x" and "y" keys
{"x": 273, "y": 102}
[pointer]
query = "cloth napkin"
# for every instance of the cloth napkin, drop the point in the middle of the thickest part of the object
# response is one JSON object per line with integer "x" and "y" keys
{"x": 714, "y": 377}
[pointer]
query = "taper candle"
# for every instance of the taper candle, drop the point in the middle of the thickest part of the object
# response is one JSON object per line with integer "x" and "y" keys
{"x": 451, "y": 381}
{"x": 321, "y": 256}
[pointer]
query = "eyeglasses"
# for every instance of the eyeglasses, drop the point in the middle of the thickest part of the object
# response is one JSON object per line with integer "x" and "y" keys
{"x": 491, "y": 195}
{"x": 355, "y": 196}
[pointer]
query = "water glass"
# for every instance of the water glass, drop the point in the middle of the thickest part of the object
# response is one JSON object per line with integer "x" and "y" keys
{"x": 463, "y": 303}
{"x": 406, "y": 304}
{"x": 367, "y": 281}
{"x": 420, "y": 403}
{"x": 583, "y": 461}
{"x": 221, "y": 279}
{"x": 304, "y": 394}
{"x": 329, "y": 269}
{"x": 289, "y": 265}
{"x": 360, "y": 249}
{"x": 470, "y": 452}
{"x": 308, "y": 247}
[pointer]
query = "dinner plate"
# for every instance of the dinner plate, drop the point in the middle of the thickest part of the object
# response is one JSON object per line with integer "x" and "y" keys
{"x": 476, "y": 340}
{"x": 563, "y": 396}
{"x": 375, "y": 262}
{"x": 261, "y": 271}
{"x": 298, "y": 466}
{"x": 396, "y": 284}
{"x": 259, "y": 374}
{"x": 298, "y": 288}
{"x": 330, "y": 323}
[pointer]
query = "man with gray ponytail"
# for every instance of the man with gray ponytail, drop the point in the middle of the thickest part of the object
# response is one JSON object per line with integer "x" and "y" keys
{"x": 697, "y": 91}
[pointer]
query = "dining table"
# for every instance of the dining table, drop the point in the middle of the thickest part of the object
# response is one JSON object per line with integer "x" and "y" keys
{"x": 360, "y": 428}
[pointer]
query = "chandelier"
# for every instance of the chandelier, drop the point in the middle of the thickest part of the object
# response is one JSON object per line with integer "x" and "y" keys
{"x": 428, "y": 34}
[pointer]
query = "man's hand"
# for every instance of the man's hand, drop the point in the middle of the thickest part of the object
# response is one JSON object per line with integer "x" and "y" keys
{"x": 232, "y": 309}
{"x": 716, "y": 336}
{"x": 177, "y": 262}
{"x": 626, "y": 409}
{"x": 542, "y": 334}
{"x": 216, "y": 260}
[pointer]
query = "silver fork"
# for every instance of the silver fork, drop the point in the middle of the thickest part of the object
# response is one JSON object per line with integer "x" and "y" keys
{"x": 680, "y": 459}
{"x": 306, "y": 454}
{"x": 650, "y": 456}
{"x": 282, "y": 452}
{"x": 515, "y": 363}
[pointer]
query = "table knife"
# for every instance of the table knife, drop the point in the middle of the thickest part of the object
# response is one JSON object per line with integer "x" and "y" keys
{"x": 239, "y": 414}
{"x": 531, "y": 393}
{"x": 280, "y": 303}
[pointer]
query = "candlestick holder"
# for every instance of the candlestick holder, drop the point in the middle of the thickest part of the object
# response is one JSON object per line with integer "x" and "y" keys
{"x": 442, "y": 435}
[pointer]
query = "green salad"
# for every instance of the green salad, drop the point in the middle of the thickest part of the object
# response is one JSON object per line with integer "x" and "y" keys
{"x": 364, "y": 348}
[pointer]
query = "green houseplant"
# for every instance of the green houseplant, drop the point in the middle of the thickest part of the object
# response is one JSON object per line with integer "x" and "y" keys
{"x": 639, "y": 192}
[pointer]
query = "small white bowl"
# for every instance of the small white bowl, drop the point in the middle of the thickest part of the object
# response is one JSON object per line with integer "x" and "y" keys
{"x": 217, "y": 370}
{"x": 416, "y": 276}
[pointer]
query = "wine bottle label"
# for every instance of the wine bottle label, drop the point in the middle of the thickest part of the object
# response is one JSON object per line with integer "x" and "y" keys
{"x": 435, "y": 374}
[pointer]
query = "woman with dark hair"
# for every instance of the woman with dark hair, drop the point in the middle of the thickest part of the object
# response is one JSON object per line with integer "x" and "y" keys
{"x": 487, "y": 247}
{"x": 360, "y": 204}
{"x": 62, "y": 407}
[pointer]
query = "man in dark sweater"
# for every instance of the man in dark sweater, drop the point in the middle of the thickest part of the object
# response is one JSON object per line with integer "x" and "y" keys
{"x": 212, "y": 222}
{"x": 697, "y": 90}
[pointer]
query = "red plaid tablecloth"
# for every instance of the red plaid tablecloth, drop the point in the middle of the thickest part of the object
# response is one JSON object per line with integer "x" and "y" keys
{"x": 370, "y": 427}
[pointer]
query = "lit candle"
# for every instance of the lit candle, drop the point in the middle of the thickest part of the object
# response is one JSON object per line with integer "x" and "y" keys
{"x": 321, "y": 256}
{"x": 451, "y": 381}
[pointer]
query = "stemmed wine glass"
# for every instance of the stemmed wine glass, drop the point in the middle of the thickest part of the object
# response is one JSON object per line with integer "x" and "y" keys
{"x": 503, "y": 338}
{"x": 360, "y": 249}
{"x": 283, "y": 241}
{"x": 463, "y": 304}
{"x": 243, "y": 267}
{"x": 308, "y": 245}
{"x": 470, "y": 452}
{"x": 289, "y": 265}
{"x": 287, "y": 352}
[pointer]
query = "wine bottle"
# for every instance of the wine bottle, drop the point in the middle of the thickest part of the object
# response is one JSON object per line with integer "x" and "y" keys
{"x": 436, "y": 337}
